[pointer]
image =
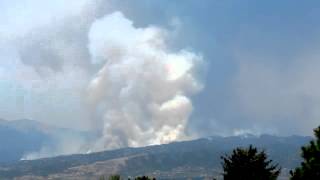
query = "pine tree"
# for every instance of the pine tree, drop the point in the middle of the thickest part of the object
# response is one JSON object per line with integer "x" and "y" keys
{"x": 249, "y": 164}
{"x": 310, "y": 167}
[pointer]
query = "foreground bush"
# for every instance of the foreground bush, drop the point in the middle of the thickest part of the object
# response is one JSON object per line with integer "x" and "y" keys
{"x": 249, "y": 164}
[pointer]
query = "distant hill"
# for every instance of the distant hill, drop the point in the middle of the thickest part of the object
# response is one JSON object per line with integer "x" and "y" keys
{"x": 179, "y": 160}
{"x": 20, "y": 138}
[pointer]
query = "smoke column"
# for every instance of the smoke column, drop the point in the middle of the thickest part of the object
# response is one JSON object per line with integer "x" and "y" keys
{"x": 141, "y": 91}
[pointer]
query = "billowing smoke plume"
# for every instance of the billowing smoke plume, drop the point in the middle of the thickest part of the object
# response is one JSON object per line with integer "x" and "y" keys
{"x": 99, "y": 73}
{"x": 141, "y": 90}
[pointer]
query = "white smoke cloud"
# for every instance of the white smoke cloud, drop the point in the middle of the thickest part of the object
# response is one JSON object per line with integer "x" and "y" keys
{"x": 121, "y": 80}
{"x": 142, "y": 89}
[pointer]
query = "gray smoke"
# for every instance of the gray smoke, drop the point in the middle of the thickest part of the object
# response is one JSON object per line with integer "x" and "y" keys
{"x": 267, "y": 94}
{"x": 124, "y": 82}
{"x": 142, "y": 88}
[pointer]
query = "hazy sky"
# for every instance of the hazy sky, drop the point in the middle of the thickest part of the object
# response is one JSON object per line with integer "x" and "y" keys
{"x": 247, "y": 66}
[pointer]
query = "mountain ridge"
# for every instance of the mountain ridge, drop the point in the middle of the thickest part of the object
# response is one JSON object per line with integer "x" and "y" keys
{"x": 177, "y": 160}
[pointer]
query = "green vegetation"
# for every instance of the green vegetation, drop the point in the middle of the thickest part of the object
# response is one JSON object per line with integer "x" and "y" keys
{"x": 249, "y": 164}
{"x": 112, "y": 177}
{"x": 310, "y": 167}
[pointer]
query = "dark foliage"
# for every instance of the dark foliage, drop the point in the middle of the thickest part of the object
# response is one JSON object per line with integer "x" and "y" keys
{"x": 144, "y": 178}
{"x": 310, "y": 167}
{"x": 249, "y": 164}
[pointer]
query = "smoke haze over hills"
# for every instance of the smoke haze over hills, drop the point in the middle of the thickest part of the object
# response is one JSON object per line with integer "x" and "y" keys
{"x": 152, "y": 72}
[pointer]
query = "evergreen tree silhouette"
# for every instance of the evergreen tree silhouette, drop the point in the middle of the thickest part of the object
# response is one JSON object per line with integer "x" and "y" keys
{"x": 249, "y": 164}
{"x": 310, "y": 167}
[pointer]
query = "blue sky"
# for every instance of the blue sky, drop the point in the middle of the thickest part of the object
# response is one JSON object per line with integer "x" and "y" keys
{"x": 260, "y": 71}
